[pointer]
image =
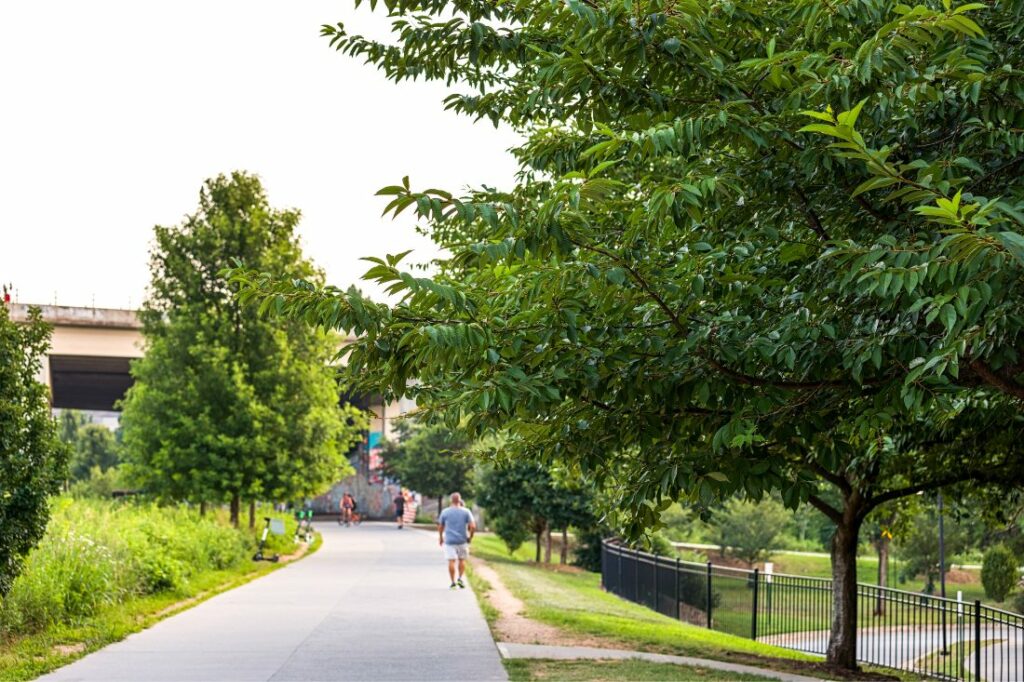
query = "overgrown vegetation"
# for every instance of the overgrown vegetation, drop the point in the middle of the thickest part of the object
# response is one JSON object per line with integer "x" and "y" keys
{"x": 32, "y": 459}
{"x": 99, "y": 554}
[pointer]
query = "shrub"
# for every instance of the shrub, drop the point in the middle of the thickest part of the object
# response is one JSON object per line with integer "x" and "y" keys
{"x": 512, "y": 530}
{"x": 999, "y": 572}
{"x": 749, "y": 530}
{"x": 100, "y": 552}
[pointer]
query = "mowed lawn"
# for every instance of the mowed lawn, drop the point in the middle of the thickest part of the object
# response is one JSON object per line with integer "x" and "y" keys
{"x": 575, "y": 602}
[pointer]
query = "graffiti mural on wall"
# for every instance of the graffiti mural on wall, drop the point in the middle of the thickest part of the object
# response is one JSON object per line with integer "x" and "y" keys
{"x": 374, "y": 500}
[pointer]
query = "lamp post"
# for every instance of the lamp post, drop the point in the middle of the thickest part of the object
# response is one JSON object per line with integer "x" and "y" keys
{"x": 942, "y": 576}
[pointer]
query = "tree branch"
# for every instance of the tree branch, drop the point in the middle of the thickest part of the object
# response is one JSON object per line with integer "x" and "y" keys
{"x": 812, "y": 217}
{"x": 1005, "y": 384}
{"x": 826, "y": 509}
{"x": 835, "y": 479}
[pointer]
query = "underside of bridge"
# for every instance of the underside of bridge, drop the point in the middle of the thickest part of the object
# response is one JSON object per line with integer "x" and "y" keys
{"x": 88, "y": 382}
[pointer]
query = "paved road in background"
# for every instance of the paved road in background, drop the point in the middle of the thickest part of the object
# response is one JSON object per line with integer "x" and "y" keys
{"x": 372, "y": 604}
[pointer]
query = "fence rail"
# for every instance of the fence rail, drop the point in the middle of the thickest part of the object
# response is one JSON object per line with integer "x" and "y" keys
{"x": 933, "y": 636}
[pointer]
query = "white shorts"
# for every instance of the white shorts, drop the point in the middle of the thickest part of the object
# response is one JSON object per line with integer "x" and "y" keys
{"x": 453, "y": 552}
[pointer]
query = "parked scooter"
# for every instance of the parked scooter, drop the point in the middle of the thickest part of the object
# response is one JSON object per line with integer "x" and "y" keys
{"x": 304, "y": 527}
{"x": 275, "y": 526}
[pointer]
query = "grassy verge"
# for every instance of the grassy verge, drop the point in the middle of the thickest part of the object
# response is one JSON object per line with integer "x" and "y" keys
{"x": 105, "y": 570}
{"x": 575, "y": 603}
{"x": 527, "y": 670}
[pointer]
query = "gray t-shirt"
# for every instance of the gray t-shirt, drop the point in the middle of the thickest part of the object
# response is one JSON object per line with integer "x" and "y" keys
{"x": 456, "y": 522}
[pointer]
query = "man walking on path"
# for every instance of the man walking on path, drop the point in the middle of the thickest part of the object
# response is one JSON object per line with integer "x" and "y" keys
{"x": 455, "y": 528}
{"x": 400, "y": 509}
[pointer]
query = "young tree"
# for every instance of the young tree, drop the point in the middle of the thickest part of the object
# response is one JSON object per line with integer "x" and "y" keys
{"x": 227, "y": 406}
{"x": 749, "y": 531}
{"x": 32, "y": 458}
{"x": 752, "y": 248}
{"x": 918, "y": 546}
{"x": 94, "y": 447}
{"x": 431, "y": 460}
{"x": 1000, "y": 572}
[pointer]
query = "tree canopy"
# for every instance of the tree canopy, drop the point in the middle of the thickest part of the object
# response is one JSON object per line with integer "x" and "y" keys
{"x": 33, "y": 461}
{"x": 227, "y": 406}
{"x": 753, "y": 246}
{"x": 432, "y": 460}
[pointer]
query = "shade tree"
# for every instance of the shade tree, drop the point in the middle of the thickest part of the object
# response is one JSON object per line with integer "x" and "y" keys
{"x": 752, "y": 248}
{"x": 227, "y": 407}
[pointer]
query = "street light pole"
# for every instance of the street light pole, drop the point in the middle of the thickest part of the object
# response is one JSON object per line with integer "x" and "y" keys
{"x": 942, "y": 575}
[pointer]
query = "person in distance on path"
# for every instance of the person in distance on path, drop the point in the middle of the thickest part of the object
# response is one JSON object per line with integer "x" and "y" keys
{"x": 455, "y": 528}
{"x": 400, "y": 509}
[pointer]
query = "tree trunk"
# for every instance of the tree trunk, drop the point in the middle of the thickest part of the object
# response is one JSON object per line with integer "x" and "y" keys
{"x": 883, "y": 572}
{"x": 842, "y": 643}
{"x": 547, "y": 545}
{"x": 202, "y": 508}
{"x": 236, "y": 505}
{"x": 537, "y": 537}
{"x": 252, "y": 514}
{"x": 564, "y": 556}
{"x": 440, "y": 501}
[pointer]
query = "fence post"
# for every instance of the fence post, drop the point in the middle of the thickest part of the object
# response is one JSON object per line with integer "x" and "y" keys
{"x": 657, "y": 560}
{"x": 707, "y": 596}
{"x": 753, "y": 618}
{"x": 977, "y": 639}
{"x": 636, "y": 576}
{"x": 604, "y": 563}
{"x": 676, "y": 591}
{"x": 618, "y": 583}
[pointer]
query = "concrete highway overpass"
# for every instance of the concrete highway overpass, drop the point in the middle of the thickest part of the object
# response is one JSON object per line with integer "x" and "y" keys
{"x": 91, "y": 350}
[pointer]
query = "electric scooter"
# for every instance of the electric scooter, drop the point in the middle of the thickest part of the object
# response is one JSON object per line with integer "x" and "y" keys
{"x": 304, "y": 529}
{"x": 267, "y": 529}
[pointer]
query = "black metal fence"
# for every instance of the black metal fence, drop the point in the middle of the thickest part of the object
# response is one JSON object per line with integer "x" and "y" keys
{"x": 918, "y": 633}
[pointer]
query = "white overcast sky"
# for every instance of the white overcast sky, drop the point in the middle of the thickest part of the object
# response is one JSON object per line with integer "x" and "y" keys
{"x": 113, "y": 113}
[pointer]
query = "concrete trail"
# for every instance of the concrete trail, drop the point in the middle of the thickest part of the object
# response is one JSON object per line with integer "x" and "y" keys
{"x": 372, "y": 604}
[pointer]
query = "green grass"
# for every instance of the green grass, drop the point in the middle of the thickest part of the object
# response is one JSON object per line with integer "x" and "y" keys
{"x": 527, "y": 670}
{"x": 576, "y": 603}
{"x": 28, "y": 657}
{"x": 105, "y": 570}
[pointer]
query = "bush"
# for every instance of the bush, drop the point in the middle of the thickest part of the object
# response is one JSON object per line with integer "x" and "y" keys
{"x": 999, "y": 572}
{"x": 749, "y": 530}
{"x": 512, "y": 530}
{"x": 99, "y": 552}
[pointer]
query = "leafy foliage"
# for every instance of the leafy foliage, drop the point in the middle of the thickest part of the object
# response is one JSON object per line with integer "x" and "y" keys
{"x": 919, "y": 546}
{"x": 749, "y": 531}
{"x": 431, "y": 460}
{"x": 99, "y": 553}
{"x": 753, "y": 247}
{"x": 226, "y": 406}
{"x": 32, "y": 459}
{"x": 1000, "y": 572}
{"x": 95, "y": 447}
{"x": 523, "y": 498}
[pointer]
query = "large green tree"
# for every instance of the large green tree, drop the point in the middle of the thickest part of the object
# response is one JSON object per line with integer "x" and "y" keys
{"x": 227, "y": 407}
{"x": 432, "y": 460}
{"x": 32, "y": 458}
{"x": 753, "y": 246}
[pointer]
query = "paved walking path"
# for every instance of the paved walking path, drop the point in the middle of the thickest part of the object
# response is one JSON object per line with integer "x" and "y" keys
{"x": 572, "y": 653}
{"x": 372, "y": 604}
